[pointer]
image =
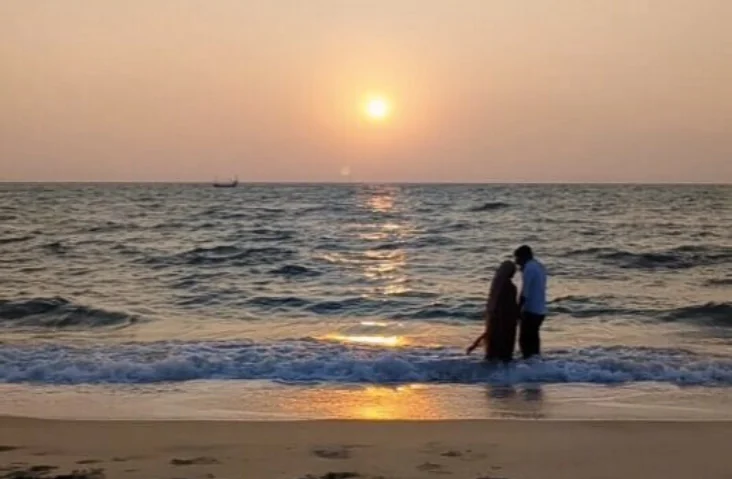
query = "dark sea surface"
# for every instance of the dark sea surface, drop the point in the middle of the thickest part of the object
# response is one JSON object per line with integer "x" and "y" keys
{"x": 342, "y": 284}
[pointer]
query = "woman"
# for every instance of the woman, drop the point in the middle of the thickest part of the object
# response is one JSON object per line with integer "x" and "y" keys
{"x": 501, "y": 314}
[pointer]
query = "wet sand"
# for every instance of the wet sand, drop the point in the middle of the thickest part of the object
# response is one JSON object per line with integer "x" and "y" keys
{"x": 365, "y": 449}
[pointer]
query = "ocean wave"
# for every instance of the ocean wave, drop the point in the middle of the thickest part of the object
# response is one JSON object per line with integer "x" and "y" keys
{"x": 490, "y": 206}
{"x": 457, "y": 226}
{"x": 169, "y": 225}
{"x": 719, "y": 282}
{"x": 356, "y": 306}
{"x": 387, "y": 246}
{"x": 304, "y": 210}
{"x": 352, "y": 306}
{"x": 269, "y": 234}
{"x": 56, "y": 247}
{"x": 295, "y": 271}
{"x": 400, "y": 305}
{"x": 467, "y": 311}
{"x": 594, "y": 307}
{"x": 268, "y": 213}
{"x": 716, "y": 313}
{"x": 682, "y": 257}
{"x": 277, "y": 302}
{"x": 434, "y": 240}
{"x": 587, "y": 307}
{"x": 15, "y": 239}
{"x": 233, "y": 216}
{"x": 58, "y": 313}
{"x": 230, "y": 254}
{"x": 110, "y": 227}
{"x": 316, "y": 361}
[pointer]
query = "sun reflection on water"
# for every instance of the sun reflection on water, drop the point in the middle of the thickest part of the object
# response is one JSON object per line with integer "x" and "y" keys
{"x": 381, "y": 202}
{"x": 377, "y": 403}
{"x": 423, "y": 402}
{"x": 380, "y": 324}
{"x": 373, "y": 340}
{"x": 382, "y": 403}
{"x": 387, "y": 263}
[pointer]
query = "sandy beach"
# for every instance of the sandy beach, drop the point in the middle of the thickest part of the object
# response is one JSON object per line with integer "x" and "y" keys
{"x": 365, "y": 449}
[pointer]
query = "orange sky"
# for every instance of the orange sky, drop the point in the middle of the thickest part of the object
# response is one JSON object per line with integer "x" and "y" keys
{"x": 481, "y": 90}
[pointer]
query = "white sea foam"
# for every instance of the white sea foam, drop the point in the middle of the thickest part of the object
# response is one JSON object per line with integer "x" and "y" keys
{"x": 314, "y": 361}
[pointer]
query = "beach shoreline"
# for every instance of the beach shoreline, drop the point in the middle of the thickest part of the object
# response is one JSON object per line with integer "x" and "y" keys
{"x": 367, "y": 449}
{"x": 267, "y": 401}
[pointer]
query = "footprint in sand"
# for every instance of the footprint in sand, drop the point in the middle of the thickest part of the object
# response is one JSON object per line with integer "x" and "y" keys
{"x": 42, "y": 469}
{"x": 489, "y": 476}
{"x": 467, "y": 455}
{"x": 452, "y": 454}
{"x": 10, "y": 469}
{"x": 333, "y": 453}
{"x": 196, "y": 461}
{"x": 333, "y": 475}
{"x": 432, "y": 468}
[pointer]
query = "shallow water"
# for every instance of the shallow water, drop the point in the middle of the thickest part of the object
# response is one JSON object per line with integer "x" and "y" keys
{"x": 343, "y": 284}
{"x": 267, "y": 401}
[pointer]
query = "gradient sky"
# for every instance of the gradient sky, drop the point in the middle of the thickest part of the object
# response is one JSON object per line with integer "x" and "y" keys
{"x": 271, "y": 90}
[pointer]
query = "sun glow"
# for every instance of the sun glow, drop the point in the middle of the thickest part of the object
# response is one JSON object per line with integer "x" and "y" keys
{"x": 377, "y": 108}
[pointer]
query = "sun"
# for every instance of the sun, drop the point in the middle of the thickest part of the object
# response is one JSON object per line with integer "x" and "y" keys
{"x": 377, "y": 108}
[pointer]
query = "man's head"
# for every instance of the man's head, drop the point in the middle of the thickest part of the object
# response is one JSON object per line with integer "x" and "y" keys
{"x": 523, "y": 255}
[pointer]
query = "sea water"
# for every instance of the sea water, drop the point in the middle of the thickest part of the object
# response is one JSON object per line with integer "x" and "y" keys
{"x": 287, "y": 297}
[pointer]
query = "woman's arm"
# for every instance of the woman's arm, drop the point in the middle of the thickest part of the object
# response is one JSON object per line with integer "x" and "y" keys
{"x": 482, "y": 337}
{"x": 475, "y": 344}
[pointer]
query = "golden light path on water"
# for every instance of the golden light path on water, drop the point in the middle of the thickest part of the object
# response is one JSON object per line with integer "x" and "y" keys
{"x": 387, "y": 341}
{"x": 385, "y": 268}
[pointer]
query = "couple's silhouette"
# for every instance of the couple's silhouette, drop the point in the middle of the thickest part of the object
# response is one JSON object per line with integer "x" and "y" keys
{"x": 507, "y": 311}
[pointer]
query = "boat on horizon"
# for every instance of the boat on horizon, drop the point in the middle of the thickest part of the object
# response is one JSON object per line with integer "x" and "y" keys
{"x": 230, "y": 184}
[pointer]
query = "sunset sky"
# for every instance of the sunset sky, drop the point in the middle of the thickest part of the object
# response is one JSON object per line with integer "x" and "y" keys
{"x": 366, "y": 90}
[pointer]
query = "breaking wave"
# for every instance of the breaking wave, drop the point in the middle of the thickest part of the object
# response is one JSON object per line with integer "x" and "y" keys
{"x": 682, "y": 257}
{"x": 58, "y": 313}
{"x": 716, "y": 313}
{"x": 316, "y": 361}
{"x": 587, "y": 307}
{"x": 490, "y": 206}
{"x": 719, "y": 314}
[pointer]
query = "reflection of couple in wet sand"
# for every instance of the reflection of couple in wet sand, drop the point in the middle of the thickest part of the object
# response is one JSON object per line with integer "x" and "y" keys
{"x": 506, "y": 311}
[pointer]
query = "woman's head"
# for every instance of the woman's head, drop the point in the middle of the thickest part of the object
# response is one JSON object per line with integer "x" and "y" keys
{"x": 506, "y": 270}
{"x": 503, "y": 276}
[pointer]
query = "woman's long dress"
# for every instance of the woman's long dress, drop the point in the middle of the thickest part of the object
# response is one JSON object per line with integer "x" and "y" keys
{"x": 502, "y": 325}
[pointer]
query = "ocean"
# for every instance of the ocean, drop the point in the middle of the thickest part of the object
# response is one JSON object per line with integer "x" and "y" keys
{"x": 316, "y": 301}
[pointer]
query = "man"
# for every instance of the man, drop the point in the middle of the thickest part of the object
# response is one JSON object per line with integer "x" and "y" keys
{"x": 532, "y": 301}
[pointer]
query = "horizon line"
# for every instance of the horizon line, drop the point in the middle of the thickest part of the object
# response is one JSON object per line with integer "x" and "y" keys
{"x": 356, "y": 183}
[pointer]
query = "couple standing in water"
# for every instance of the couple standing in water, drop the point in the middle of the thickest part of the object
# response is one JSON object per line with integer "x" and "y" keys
{"x": 506, "y": 311}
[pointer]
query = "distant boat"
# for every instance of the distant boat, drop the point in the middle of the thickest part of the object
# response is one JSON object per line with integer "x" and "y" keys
{"x": 231, "y": 184}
